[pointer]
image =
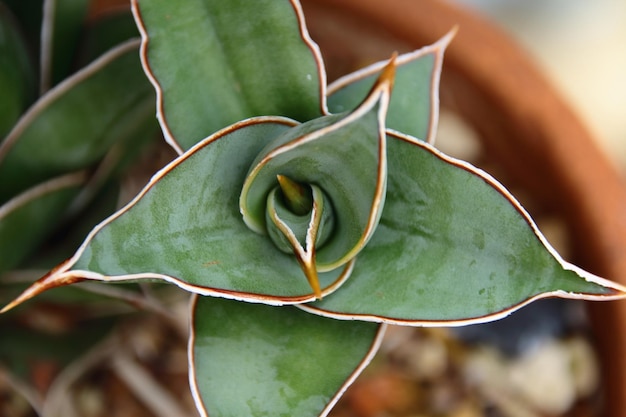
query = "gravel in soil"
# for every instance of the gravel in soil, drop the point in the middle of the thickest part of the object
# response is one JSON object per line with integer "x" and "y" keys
{"x": 432, "y": 372}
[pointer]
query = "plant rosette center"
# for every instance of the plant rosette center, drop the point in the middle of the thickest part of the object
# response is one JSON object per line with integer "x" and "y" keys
{"x": 318, "y": 190}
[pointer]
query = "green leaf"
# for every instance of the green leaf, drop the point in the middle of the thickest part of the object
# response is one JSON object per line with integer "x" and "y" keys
{"x": 216, "y": 62}
{"x": 185, "y": 227}
{"x": 17, "y": 79}
{"x": 76, "y": 123}
{"x": 452, "y": 247}
{"x": 256, "y": 360}
{"x": 27, "y": 219}
{"x": 414, "y": 106}
{"x": 61, "y": 30}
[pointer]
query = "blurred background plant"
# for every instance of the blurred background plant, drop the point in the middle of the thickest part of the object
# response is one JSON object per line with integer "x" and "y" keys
{"x": 76, "y": 115}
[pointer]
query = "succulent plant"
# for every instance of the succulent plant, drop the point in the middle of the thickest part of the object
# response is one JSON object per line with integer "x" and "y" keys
{"x": 304, "y": 218}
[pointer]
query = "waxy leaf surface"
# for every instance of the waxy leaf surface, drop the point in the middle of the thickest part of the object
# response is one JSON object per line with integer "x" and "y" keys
{"x": 257, "y": 360}
{"x": 451, "y": 247}
{"x": 215, "y": 65}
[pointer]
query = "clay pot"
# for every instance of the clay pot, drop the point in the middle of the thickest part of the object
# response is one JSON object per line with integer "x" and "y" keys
{"x": 524, "y": 125}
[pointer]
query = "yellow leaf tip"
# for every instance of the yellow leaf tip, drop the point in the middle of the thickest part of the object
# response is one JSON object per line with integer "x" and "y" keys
{"x": 8, "y": 307}
{"x": 28, "y": 293}
{"x": 311, "y": 275}
{"x": 388, "y": 74}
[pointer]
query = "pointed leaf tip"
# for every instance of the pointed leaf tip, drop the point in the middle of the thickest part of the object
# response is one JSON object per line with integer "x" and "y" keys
{"x": 47, "y": 282}
{"x": 388, "y": 74}
{"x": 384, "y": 82}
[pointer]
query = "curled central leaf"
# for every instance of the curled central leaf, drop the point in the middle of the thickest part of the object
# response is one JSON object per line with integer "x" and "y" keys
{"x": 318, "y": 190}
